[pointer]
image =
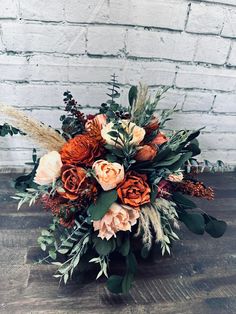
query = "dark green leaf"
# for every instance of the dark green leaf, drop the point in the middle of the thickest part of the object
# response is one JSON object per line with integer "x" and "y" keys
{"x": 114, "y": 284}
{"x": 125, "y": 247}
{"x": 216, "y": 228}
{"x": 104, "y": 247}
{"x": 127, "y": 282}
{"x": 182, "y": 200}
{"x": 102, "y": 205}
{"x": 131, "y": 263}
{"x": 179, "y": 164}
{"x": 133, "y": 93}
{"x": 193, "y": 221}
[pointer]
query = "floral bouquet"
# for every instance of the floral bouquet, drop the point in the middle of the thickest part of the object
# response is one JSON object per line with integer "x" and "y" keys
{"x": 114, "y": 182}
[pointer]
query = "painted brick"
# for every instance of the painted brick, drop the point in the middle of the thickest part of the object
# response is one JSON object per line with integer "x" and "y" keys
{"x": 43, "y": 10}
{"x": 44, "y": 38}
{"x": 225, "y": 103}
{"x": 8, "y": 9}
{"x": 232, "y": 57}
{"x": 171, "y": 99}
{"x": 13, "y": 68}
{"x": 217, "y": 141}
{"x": 230, "y": 2}
{"x": 213, "y": 123}
{"x": 213, "y": 50}
{"x": 105, "y": 40}
{"x": 206, "y": 78}
{"x": 128, "y": 71}
{"x": 160, "y": 45}
{"x": 205, "y": 19}
{"x": 152, "y": 13}
{"x": 229, "y": 29}
{"x": 198, "y": 101}
{"x": 224, "y": 155}
{"x": 85, "y": 11}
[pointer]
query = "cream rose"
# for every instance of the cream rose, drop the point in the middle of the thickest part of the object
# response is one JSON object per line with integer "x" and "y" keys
{"x": 108, "y": 174}
{"x": 49, "y": 168}
{"x": 176, "y": 177}
{"x": 118, "y": 218}
{"x": 137, "y": 132}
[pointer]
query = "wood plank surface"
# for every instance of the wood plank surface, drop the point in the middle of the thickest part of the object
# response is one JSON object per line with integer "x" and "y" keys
{"x": 199, "y": 277}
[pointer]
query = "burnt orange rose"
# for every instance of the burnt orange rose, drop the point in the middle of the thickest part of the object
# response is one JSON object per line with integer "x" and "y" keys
{"x": 94, "y": 126}
{"x": 146, "y": 152}
{"x": 152, "y": 126}
{"x": 160, "y": 139}
{"x": 134, "y": 190}
{"x": 77, "y": 186}
{"x": 81, "y": 150}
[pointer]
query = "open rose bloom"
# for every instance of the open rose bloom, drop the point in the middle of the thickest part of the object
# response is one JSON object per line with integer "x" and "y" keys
{"x": 118, "y": 183}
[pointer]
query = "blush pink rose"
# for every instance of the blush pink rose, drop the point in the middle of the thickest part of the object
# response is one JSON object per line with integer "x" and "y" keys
{"x": 49, "y": 168}
{"x": 108, "y": 174}
{"x": 118, "y": 218}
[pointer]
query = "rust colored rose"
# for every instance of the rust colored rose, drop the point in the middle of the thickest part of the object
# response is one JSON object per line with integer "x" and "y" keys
{"x": 81, "y": 150}
{"x": 77, "y": 186}
{"x": 146, "y": 152}
{"x": 134, "y": 190}
{"x": 94, "y": 126}
{"x": 160, "y": 139}
{"x": 152, "y": 126}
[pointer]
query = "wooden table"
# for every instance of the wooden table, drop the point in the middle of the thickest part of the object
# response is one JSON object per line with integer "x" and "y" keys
{"x": 199, "y": 276}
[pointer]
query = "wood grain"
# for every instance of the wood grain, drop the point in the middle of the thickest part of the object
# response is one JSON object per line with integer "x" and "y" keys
{"x": 199, "y": 277}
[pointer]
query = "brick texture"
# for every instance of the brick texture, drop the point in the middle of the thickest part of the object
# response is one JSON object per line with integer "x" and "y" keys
{"x": 48, "y": 47}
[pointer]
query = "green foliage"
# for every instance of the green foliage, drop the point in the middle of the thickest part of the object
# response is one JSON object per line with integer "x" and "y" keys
{"x": 104, "y": 247}
{"x": 215, "y": 228}
{"x": 102, "y": 205}
{"x": 73, "y": 122}
{"x": 182, "y": 200}
{"x": 193, "y": 221}
{"x": 7, "y": 129}
{"x": 103, "y": 263}
{"x": 119, "y": 284}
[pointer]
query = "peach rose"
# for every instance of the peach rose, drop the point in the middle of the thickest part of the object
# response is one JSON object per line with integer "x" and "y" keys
{"x": 118, "y": 218}
{"x": 108, "y": 174}
{"x": 130, "y": 127}
{"x": 176, "y": 177}
{"x": 146, "y": 152}
{"x": 49, "y": 168}
{"x": 94, "y": 126}
{"x": 160, "y": 139}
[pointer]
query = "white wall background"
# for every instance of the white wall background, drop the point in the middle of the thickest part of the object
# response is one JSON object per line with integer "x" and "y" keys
{"x": 49, "y": 46}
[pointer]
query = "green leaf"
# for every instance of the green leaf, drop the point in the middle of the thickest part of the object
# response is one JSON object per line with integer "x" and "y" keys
{"x": 169, "y": 161}
{"x": 131, "y": 263}
{"x": 133, "y": 94}
{"x": 102, "y": 205}
{"x": 125, "y": 247}
{"x": 127, "y": 282}
{"x": 193, "y": 221}
{"x": 52, "y": 254}
{"x": 104, "y": 247}
{"x": 179, "y": 164}
{"x": 114, "y": 284}
{"x": 216, "y": 228}
{"x": 182, "y": 200}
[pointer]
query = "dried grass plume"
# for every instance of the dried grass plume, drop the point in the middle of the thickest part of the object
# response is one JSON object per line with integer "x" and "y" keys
{"x": 45, "y": 136}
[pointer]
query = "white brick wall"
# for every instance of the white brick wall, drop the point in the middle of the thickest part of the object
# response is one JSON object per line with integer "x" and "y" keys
{"x": 47, "y": 47}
